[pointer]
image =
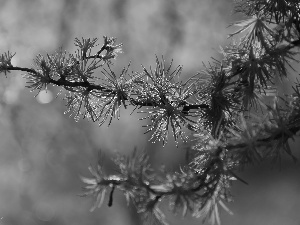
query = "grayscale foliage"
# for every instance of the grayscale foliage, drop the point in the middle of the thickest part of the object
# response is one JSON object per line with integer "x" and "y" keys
{"x": 218, "y": 107}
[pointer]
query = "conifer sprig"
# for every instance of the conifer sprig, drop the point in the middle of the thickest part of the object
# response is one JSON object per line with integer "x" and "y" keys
{"x": 197, "y": 193}
{"x": 100, "y": 99}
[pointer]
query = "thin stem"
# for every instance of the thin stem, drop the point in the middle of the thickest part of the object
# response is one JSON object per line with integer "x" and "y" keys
{"x": 90, "y": 86}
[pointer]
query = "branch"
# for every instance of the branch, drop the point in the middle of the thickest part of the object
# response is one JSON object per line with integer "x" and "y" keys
{"x": 136, "y": 181}
{"x": 90, "y": 86}
{"x": 266, "y": 141}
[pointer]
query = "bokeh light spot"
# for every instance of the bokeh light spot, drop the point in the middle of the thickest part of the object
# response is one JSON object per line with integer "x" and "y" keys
{"x": 44, "y": 97}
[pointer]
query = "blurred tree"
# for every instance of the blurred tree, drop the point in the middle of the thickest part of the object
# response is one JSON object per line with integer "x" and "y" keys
{"x": 69, "y": 13}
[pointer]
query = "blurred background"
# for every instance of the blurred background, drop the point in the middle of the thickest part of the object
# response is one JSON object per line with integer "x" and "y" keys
{"x": 43, "y": 151}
